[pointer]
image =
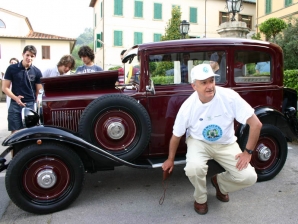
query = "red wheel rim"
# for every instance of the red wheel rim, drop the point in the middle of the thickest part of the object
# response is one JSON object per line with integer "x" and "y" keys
{"x": 271, "y": 146}
{"x": 120, "y": 119}
{"x": 39, "y": 165}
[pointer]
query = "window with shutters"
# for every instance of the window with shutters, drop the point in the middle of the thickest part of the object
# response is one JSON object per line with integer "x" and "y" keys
{"x": 173, "y": 6}
{"x": 288, "y": 2}
{"x": 117, "y": 38}
{"x": 246, "y": 19}
{"x": 223, "y": 17}
{"x": 138, "y": 38}
{"x": 268, "y": 6}
{"x": 139, "y": 8}
{"x": 118, "y": 7}
{"x": 45, "y": 52}
{"x": 157, "y": 37}
{"x": 157, "y": 11}
{"x": 99, "y": 37}
{"x": 193, "y": 15}
{"x": 101, "y": 10}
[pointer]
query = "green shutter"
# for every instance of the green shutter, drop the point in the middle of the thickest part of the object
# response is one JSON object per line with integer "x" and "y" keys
{"x": 288, "y": 2}
{"x": 173, "y": 6}
{"x": 157, "y": 11}
{"x": 98, "y": 37}
{"x": 138, "y": 38}
{"x": 118, "y": 7}
{"x": 117, "y": 38}
{"x": 193, "y": 15}
{"x": 138, "y": 9}
{"x": 268, "y": 6}
{"x": 157, "y": 37}
{"x": 101, "y": 10}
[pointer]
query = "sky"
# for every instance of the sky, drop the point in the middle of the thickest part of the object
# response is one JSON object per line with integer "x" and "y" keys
{"x": 66, "y": 18}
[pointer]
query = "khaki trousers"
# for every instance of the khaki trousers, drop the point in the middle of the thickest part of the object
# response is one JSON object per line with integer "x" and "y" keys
{"x": 199, "y": 152}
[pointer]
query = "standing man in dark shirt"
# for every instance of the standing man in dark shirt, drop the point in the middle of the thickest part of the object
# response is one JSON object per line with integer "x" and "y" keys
{"x": 25, "y": 80}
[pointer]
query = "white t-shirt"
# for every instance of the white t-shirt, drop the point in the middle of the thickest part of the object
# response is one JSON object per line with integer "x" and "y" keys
{"x": 52, "y": 72}
{"x": 212, "y": 122}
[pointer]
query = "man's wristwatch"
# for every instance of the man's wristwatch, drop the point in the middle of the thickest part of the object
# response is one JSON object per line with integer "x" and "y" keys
{"x": 249, "y": 151}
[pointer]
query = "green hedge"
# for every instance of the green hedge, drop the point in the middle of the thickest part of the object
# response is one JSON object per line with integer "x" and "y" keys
{"x": 163, "y": 79}
{"x": 291, "y": 79}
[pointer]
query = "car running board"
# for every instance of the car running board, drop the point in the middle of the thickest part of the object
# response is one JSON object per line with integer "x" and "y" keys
{"x": 155, "y": 163}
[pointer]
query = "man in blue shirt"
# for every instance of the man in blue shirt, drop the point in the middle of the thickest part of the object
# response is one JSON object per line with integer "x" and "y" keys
{"x": 263, "y": 67}
{"x": 87, "y": 56}
{"x": 25, "y": 80}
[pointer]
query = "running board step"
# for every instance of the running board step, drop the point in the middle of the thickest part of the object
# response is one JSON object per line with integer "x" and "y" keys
{"x": 158, "y": 162}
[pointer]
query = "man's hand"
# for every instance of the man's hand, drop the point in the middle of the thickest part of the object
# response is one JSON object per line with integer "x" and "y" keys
{"x": 243, "y": 160}
{"x": 168, "y": 165}
{"x": 19, "y": 101}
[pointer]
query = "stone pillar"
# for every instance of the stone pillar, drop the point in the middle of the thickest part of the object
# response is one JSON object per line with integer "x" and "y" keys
{"x": 233, "y": 29}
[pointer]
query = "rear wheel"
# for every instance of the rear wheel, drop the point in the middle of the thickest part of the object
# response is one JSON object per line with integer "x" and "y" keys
{"x": 44, "y": 178}
{"x": 270, "y": 153}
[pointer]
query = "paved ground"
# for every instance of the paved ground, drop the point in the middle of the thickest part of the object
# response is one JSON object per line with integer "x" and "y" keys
{"x": 128, "y": 195}
{"x": 4, "y": 200}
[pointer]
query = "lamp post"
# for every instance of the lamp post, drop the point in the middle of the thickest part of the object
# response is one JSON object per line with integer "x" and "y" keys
{"x": 234, "y": 6}
{"x": 184, "y": 27}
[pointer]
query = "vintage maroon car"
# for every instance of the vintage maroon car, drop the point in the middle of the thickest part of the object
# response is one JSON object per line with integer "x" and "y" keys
{"x": 84, "y": 123}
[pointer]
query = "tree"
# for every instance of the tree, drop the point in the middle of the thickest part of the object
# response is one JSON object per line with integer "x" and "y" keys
{"x": 271, "y": 27}
{"x": 256, "y": 36}
{"x": 288, "y": 42}
{"x": 172, "y": 29}
{"x": 85, "y": 38}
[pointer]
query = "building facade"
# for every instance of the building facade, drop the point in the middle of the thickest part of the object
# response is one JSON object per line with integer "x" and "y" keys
{"x": 282, "y": 9}
{"x": 16, "y": 32}
{"x": 120, "y": 24}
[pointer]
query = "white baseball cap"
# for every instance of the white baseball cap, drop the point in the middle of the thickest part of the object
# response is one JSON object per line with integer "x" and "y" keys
{"x": 202, "y": 72}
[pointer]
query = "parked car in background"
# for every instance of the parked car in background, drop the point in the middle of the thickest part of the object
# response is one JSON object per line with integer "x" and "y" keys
{"x": 84, "y": 123}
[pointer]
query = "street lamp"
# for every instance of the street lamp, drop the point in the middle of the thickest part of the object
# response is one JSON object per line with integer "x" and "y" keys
{"x": 184, "y": 27}
{"x": 234, "y": 6}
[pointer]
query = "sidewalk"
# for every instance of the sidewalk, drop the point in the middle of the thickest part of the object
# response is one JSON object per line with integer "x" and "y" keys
{"x": 4, "y": 199}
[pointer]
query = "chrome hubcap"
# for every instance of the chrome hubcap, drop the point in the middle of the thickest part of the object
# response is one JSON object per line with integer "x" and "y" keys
{"x": 46, "y": 178}
{"x": 116, "y": 130}
{"x": 264, "y": 152}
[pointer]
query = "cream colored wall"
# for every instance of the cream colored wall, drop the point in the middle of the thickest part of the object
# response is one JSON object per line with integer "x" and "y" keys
{"x": 148, "y": 26}
{"x": 15, "y": 25}
{"x": 14, "y": 48}
{"x": 278, "y": 11}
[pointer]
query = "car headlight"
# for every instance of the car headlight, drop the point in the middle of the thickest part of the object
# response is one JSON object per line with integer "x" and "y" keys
{"x": 39, "y": 106}
{"x": 29, "y": 117}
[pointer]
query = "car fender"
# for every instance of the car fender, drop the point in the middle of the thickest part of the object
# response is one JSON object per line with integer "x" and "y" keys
{"x": 270, "y": 116}
{"x": 61, "y": 135}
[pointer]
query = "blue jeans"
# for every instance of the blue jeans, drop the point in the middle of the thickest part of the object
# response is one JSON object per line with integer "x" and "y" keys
{"x": 15, "y": 115}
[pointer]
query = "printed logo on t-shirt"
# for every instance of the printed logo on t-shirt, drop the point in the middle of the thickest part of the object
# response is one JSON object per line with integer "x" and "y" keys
{"x": 212, "y": 132}
{"x": 31, "y": 77}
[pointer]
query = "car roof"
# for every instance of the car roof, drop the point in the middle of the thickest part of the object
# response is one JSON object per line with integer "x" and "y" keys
{"x": 205, "y": 41}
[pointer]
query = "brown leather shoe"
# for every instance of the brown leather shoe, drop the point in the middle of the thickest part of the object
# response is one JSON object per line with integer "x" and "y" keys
{"x": 219, "y": 195}
{"x": 201, "y": 209}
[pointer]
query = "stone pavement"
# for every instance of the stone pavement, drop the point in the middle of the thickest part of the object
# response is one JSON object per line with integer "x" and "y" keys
{"x": 4, "y": 199}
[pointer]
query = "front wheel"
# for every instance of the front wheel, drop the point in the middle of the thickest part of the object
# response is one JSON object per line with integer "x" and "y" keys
{"x": 270, "y": 153}
{"x": 44, "y": 178}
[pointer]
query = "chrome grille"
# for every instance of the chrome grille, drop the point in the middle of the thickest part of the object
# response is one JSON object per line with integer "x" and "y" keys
{"x": 67, "y": 118}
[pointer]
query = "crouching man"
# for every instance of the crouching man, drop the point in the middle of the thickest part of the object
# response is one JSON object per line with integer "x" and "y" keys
{"x": 207, "y": 117}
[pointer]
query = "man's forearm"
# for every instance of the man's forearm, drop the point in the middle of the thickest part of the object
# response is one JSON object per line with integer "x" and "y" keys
{"x": 174, "y": 143}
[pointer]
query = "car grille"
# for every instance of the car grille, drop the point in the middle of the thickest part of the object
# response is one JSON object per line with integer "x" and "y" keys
{"x": 67, "y": 118}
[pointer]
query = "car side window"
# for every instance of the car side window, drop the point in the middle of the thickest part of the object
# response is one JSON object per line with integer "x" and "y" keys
{"x": 252, "y": 66}
{"x": 174, "y": 68}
